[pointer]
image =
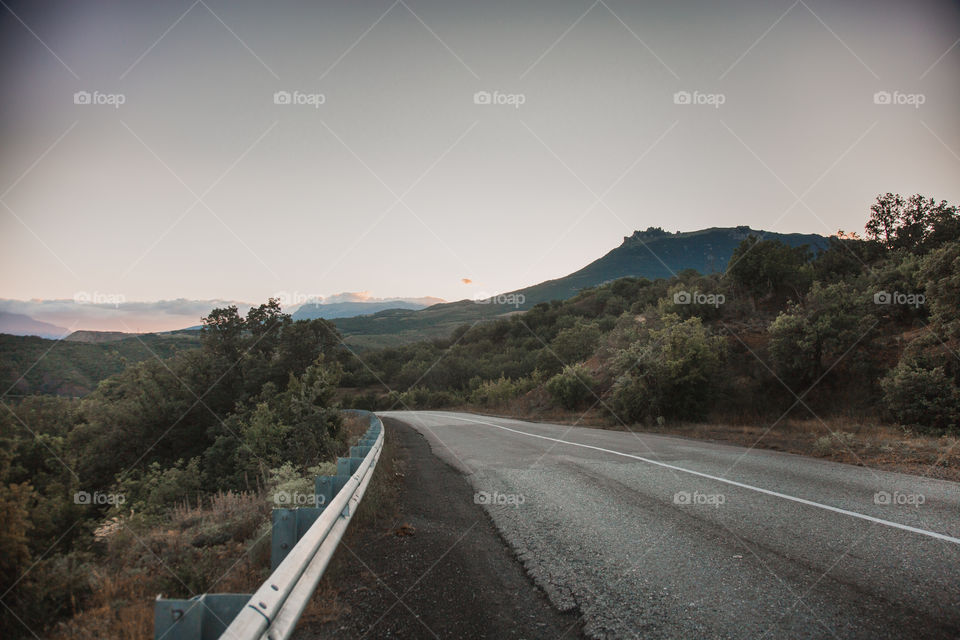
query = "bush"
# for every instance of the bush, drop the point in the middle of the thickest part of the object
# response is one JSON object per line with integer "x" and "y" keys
{"x": 576, "y": 343}
{"x": 674, "y": 374}
{"x": 501, "y": 391}
{"x": 923, "y": 397}
{"x": 571, "y": 387}
{"x": 153, "y": 491}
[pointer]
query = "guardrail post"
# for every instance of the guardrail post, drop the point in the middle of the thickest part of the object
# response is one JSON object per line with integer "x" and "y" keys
{"x": 203, "y": 617}
{"x": 323, "y": 490}
{"x": 289, "y": 525}
{"x": 283, "y": 535}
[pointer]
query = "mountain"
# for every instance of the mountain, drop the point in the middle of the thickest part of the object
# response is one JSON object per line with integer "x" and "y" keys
{"x": 652, "y": 254}
{"x": 330, "y": 310}
{"x": 99, "y": 336}
{"x": 656, "y": 253}
{"x": 18, "y": 324}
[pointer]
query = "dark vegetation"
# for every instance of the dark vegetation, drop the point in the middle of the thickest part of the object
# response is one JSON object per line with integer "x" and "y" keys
{"x": 30, "y": 365}
{"x": 864, "y": 328}
{"x": 178, "y": 444}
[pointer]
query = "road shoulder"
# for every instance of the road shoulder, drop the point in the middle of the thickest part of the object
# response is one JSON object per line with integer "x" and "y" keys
{"x": 436, "y": 566}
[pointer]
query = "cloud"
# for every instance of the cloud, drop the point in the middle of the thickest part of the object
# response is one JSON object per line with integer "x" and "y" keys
{"x": 112, "y": 313}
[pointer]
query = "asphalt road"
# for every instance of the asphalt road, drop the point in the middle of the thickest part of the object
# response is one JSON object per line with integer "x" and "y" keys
{"x": 660, "y": 537}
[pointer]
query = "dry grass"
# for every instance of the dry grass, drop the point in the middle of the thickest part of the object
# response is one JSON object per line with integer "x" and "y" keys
{"x": 325, "y": 606}
{"x": 377, "y": 510}
{"x": 354, "y": 426}
{"x": 214, "y": 546}
{"x": 844, "y": 440}
{"x": 217, "y": 543}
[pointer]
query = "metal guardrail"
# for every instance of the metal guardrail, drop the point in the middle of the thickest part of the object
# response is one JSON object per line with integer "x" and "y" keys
{"x": 272, "y": 612}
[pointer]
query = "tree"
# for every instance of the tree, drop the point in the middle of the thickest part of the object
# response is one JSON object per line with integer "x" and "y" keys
{"x": 829, "y": 322}
{"x": 770, "y": 268}
{"x": 222, "y": 333}
{"x": 917, "y": 224}
{"x": 940, "y": 271}
{"x": 884, "y": 218}
{"x": 675, "y": 374}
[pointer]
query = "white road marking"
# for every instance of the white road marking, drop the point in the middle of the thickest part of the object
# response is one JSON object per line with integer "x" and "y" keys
{"x": 777, "y": 494}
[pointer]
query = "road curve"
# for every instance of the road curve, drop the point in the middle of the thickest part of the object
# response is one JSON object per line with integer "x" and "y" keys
{"x": 660, "y": 537}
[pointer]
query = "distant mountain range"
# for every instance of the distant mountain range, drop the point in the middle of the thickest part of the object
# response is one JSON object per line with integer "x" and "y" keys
{"x": 18, "y": 324}
{"x": 113, "y": 322}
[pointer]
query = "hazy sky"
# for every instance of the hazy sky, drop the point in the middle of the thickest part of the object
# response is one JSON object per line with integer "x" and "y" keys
{"x": 199, "y": 185}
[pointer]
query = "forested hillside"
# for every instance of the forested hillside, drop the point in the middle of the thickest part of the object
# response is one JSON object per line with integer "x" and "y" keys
{"x": 866, "y": 328}
{"x": 30, "y": 365}
{"x": 166, "y": 464}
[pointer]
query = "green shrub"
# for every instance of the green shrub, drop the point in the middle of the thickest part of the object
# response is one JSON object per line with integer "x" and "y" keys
{"x": 499, "y": 392}
{"x": 923, "y": 397}
{"x": 674, "y": 373}
{"x": 571, "y": 387}
{"x": 153, "y": 491}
